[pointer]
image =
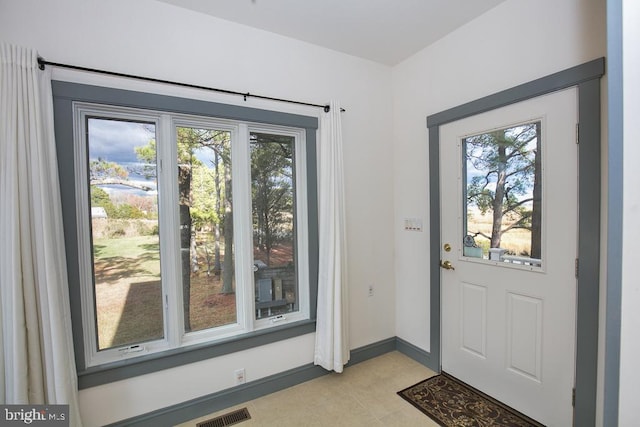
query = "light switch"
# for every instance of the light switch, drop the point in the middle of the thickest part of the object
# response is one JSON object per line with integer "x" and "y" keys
{"x": 413, "y": 224}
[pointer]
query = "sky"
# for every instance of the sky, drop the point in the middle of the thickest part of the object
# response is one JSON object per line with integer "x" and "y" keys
{"x": 115, "y": 141}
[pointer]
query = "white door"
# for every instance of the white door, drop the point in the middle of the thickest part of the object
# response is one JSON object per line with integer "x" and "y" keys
{"x": 508, "y": 313}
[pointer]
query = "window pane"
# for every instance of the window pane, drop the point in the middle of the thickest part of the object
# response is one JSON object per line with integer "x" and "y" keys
{"x": 272, "y": 190}
{"x": 503, "y": 195}
{"x": 124, "y": 229}
{"x": 206, "y": 227}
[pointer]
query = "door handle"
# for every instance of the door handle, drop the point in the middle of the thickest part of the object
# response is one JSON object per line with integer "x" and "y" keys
{"x": 446, "y": 265}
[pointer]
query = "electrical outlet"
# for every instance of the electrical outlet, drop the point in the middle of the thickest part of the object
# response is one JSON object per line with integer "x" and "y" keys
{"x": 370, "y": 290}
{"x": 240, "y": 376}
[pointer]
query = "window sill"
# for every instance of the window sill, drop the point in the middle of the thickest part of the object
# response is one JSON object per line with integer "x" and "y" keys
{"x": 104, "y": 374}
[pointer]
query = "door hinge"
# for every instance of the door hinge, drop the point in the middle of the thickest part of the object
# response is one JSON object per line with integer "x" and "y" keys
{"x": 577, "y": 267}
{"x": 577, "y": 133}
{"x": 573, "y": 397}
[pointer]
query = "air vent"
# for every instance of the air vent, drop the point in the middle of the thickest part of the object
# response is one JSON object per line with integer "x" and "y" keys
{"x": 229, "y": 419}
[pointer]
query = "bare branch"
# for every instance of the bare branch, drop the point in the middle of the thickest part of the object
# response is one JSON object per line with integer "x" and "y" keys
{"x": 479, "y": 233}
{"x": 520, "y": 203}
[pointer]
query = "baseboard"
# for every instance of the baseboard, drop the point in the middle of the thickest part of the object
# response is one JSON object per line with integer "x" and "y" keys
{"x": 204, "y": 405}
{"x": 372, "y": 350}
{"x": 417, "y": 354}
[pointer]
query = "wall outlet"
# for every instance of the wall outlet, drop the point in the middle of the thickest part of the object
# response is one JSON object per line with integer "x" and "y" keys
{"x": 370, "y": 290}
{"x": 240, "y": 376}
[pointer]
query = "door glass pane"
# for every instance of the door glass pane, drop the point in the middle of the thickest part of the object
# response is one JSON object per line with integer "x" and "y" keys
{"x": 272, "y": 191}
{"x": 124, "y": 231}
{"x": 503, "y": 195}
{"x": 206, "y": 227}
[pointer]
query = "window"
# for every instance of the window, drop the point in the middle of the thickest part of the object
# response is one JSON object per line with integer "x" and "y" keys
{"x": 125, "y": 247}
{"x": 503, "y": 195}
{"x": 195, "y": 226}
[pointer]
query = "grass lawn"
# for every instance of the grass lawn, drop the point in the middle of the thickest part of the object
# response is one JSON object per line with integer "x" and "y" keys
{"x": 145, "y": 249}
{"x": 129, "y": 293}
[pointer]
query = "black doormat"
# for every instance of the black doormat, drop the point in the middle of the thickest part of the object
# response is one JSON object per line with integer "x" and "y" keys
{"x": 450, "y": 402}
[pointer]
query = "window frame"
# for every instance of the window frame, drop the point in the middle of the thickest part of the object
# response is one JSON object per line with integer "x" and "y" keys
{"x": 82, "y": 112}
{"x": 66, "y": 95}
{"x": 300, "y": 214}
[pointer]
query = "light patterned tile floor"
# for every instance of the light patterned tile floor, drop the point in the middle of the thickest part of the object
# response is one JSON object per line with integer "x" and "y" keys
{"x": 363, "y": 395}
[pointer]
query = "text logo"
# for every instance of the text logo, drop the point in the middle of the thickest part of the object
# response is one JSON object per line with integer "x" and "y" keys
{"x": 36, "y": 415}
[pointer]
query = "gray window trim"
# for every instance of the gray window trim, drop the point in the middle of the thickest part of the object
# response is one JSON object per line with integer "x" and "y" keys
{"x": 64, "y": 94}
{"x": 587, "y": 79}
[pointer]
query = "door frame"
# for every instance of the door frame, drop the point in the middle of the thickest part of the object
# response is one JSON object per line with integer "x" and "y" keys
{"x": 586, "y": 77}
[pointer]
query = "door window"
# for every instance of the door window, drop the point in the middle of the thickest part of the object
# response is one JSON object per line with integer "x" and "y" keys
{"x": 503, "y": 195}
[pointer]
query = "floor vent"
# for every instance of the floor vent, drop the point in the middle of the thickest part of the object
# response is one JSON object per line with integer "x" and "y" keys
{"x": 229, "y": 419}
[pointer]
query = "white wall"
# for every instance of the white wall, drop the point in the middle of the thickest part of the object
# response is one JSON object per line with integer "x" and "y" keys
{"x": 630, "y": 315}
{"x": 518, "y": 41}
{"x": 154, "y": 39}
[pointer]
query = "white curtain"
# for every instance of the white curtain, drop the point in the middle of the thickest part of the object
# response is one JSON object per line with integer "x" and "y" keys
{"x": 36, "y": 348}
{"x": 332, "y": 330}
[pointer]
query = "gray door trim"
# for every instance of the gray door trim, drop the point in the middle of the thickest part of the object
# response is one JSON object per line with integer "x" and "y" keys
{"x": 615, "y": 183}
{"x": 587, "y": 79}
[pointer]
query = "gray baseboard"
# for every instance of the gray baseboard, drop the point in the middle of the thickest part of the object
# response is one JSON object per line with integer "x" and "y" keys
{"x": 372, "y": 350}
{"x": 417, "y": 354}
{"x": 208, "y": 404}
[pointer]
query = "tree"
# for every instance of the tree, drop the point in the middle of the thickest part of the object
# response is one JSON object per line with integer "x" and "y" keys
{"x": 508, "y": 170}
{"x": 100, "y": 198}
{"x": 102, "y": 172}
{"x": 203, "y": 206}
{"x": 145, "y": 204}
{"x": 271, "y": 187}
{"x": 213, "y": 145}
{"x": 116, "y": 207}
{"x": 146, "y": 154}
{"x": 199, "y": 203}
{"x": 536, "y": 211}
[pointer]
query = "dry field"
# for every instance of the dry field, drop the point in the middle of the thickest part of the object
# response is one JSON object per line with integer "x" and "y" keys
{"x": 517, "y": 241}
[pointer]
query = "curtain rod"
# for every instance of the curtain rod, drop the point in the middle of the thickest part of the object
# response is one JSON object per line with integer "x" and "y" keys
{"x": 42, "y": 63}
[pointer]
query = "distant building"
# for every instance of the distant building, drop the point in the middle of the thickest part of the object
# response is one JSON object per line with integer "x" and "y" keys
{"x": 98, "y": 212}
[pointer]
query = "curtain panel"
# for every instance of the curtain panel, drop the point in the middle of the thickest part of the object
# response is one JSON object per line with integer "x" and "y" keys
{"x": 332, "y": 322}
{"x": 36, "y": 348}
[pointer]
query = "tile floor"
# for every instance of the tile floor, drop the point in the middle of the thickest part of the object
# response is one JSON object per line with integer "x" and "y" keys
{"x": 363, "y": 395}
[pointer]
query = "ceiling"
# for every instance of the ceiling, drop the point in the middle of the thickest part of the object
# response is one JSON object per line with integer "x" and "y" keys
{"x": 385, "y": 31}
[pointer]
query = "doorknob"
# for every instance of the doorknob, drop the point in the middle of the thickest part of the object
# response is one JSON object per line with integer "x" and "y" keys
{"x": 446, "y": 265}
